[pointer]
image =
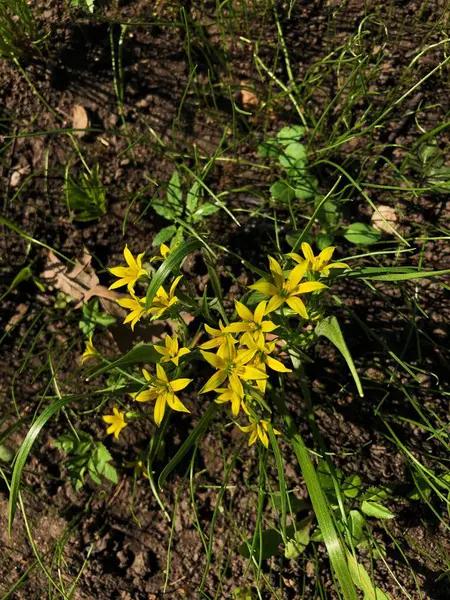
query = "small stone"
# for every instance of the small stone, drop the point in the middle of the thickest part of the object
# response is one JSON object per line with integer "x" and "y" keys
{"x": 80, "y": 120}
{"x": 388, "y": 214}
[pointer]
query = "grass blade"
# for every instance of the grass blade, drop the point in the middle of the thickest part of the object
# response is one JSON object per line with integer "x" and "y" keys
{"x": 25, "y": 450}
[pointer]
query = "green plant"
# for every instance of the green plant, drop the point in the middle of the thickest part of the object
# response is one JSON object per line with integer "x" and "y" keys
{"x": 85, "y": 457}
{"x": 86, "y": 196}
{"x": 18, "y": 30}
{"x": 191, "y": 212}
{"x": 92, "y": 316}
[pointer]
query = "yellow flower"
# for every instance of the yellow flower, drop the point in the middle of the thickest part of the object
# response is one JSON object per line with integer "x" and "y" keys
{"x": 287, "y": 290}
{"x": 136, "y": 306}
{"x": 117, "y": 422}
{"x": 252, "y": 323}
{"x": 164, "y": 252}
{"x": 221, "y": 339}
{"x": 232, "y": 366}
{"x": 258, "y": 430}
{"x": 230, "y": 395}
{"x": 90, "y": 351}
{"x": 163, "y": 391}
{"x": 163, "y": 300}
{"x": 262, "y": 358}
{"x": 319, "y": 264}
{"x": 130, "y": 274}
{"x": 171, "y": 350}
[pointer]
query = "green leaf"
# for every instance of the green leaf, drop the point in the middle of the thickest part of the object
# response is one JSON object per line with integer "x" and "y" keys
{"x": 361, "y": 234}
{"x": 192, "y": 439}
{"x": 92, "y": 317}
{"x": 362, "y": 580}
{"x": 290, "y": 134}
{"x": 328, "y": 214}
{"x": 282, "y": 191}
{"x": 356, "y": 525}
{"x": 164, "y": 235}
{"x": 192, "y": 198}
{"x": 264, "y": 546}
{"x": 296, "y": 545}
{"x": 25, "y": 449}
{"x": 305, "y": 187}
{"x": 269, "y": 148}
{"x": 141, "y": 353}
{"x": 331, "y": 329}
{"x": 171, "y": 263}
{"x": 110, "y": 473}
{"x": 24, "y": 274}
{"x": 297, "y": 505}
{"x": 374, "y": 509}
{"x": 351, "y": 486}
{"x": 205, "y": 210}
{"x": 175, "y": 194}
{"x": 324, "y": 240}
{"x": 6, "y": 455}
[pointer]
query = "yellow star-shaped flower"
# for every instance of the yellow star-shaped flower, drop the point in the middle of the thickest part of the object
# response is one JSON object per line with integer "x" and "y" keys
{"x": 287, "y": 290}
{"x": 131, "y": 273}
{"x": 163, "y": 391}
{"x": 90, "y": 351}
{"x": 117, "y": 422}
{"x": 136, "y": 306}
{"x": 252, "y": 323}
{"x": 319, "y": 264}
{"x": 258, "y": 431}
{"x": 221, "y": 339}
{"x": 163, "y": 300}
{"x": 171, "y": 350}
{"x": 232, "y": 366}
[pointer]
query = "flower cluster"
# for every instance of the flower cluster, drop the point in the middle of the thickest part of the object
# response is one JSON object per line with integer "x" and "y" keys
{"x": 241, "y": 352}
{"x": 129, "y": 276}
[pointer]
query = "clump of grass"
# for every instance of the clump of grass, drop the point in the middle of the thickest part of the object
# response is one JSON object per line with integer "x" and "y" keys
{"x": 19, "y": 33}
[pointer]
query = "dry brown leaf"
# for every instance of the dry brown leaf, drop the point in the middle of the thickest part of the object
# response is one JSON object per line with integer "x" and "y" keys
{"x": 80, "y": 120}
{"x": 80, "y": 283}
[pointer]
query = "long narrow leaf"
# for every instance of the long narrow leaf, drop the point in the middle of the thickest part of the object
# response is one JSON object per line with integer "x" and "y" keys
{"x": 25, "y": 450}
{"x": 171, "y": 263}
{"x": 188, "y": 443}
{"x": 331, "y": 329}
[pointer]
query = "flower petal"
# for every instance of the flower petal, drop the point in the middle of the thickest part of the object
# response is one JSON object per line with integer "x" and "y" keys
{"x": 175, "y": 403}
{"x": 298, "y": 259}
{"x": 161, "y": 374}
{"x": 179, "y": 384}
{"x": 130, "y": 259}
{"x": 274, "y": 303}
{"x": 214, "y": 382}
{"x": 120, "y": 271}
{"x": 298, "y": 273}
{"x": 307, "y": 251}
{"x": 309, "y": 286}
{"x": 263, "y": 436}
{"x": 264, "y": 287}
{"x": 244, "y": 312}
{"x": 326, "y": 254}
{"x": 298, "y": 306}
{"x": 277, "y": 272}
{"x": 276, "y": 365}
{"x": 160, "y": 408}
{"x": 216, "y": 361}
{"x": 238, "y": 327}
{"x": 260, "y": 311}
{"x": 253, "y": 373}
{"x": 174, "y": 285}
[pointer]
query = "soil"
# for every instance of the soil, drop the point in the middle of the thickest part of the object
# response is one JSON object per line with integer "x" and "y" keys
{"x": 119, "y": 530}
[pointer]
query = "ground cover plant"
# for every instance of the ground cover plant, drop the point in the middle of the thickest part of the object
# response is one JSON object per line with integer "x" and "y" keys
{"x": 224, "y": 292}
